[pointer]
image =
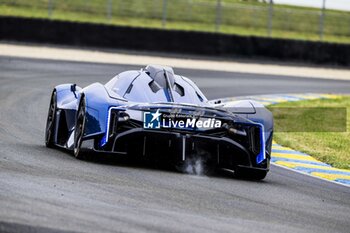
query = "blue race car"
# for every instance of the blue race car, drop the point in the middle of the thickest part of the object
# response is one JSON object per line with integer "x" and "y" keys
{"x": 156, "y": 114}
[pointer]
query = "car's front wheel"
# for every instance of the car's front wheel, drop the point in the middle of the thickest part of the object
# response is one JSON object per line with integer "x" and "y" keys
{"x": 79, "y": 129}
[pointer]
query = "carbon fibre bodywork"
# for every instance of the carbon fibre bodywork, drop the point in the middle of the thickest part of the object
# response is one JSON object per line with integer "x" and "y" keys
{"x": 114, "y": 121}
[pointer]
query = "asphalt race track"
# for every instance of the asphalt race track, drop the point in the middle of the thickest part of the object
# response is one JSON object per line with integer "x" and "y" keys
{"x": 46, "y": 190}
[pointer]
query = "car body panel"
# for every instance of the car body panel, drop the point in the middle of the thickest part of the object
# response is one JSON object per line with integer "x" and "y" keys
{"x": 115, "y": 114}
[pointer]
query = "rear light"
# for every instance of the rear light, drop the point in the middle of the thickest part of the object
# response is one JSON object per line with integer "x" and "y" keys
{"x": 254, "y": 139}
{"x": 235, "y": 129}
{"x": 117, "y": 117}
{"x": 240, "y": 132}
{"x": 123, "y": 117}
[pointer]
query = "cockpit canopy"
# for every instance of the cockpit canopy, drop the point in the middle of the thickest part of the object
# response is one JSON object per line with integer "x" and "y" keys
{"x": 155, "y": 84}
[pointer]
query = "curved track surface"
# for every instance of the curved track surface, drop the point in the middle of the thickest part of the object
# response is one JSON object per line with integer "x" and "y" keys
{"x": 46, "y": 190}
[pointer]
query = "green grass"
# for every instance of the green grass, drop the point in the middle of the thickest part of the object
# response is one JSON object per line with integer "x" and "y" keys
{"x": 330, "y": 147}
{"x": 238, "y": 17}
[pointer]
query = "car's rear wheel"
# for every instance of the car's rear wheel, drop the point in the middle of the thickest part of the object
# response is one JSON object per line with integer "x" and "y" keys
{"x": 51, "y": 121}
{"x": 250, "y": 174}
{"x": 79, "y": 129}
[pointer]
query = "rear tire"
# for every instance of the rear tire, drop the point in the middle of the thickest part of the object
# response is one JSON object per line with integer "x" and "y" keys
{"x": 51, "y": 121}
{"x": 250, "y": 174}
{"x": 79, "y": 129}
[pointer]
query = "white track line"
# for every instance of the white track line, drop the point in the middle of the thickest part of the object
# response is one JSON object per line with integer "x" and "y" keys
{"x": 304, "y": 173}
